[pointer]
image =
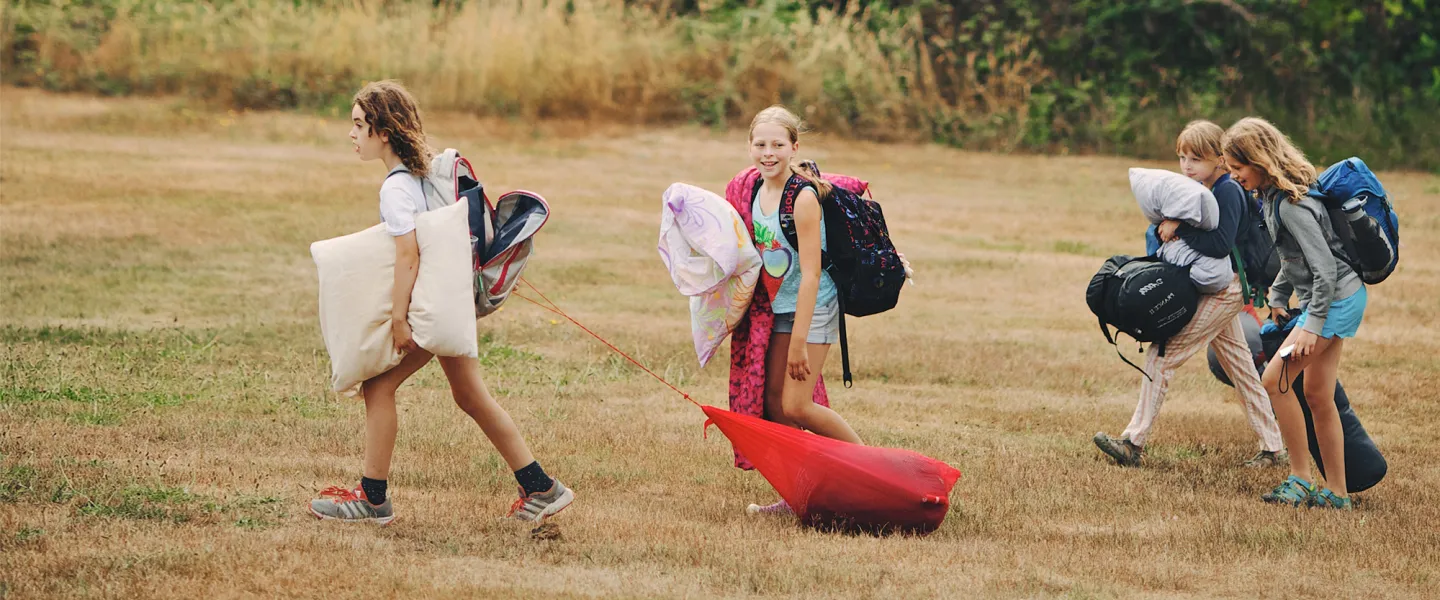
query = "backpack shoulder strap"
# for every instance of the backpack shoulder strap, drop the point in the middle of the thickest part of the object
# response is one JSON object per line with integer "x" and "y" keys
{"x": 424, "y": 202}
{"x": 1343, "y": 255}
{"x": 1247, "y": 294}
{"x": 788, "y": 197}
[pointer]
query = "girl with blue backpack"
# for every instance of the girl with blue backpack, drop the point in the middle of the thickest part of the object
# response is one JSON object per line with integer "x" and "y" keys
{"x": 1331, "y": 296}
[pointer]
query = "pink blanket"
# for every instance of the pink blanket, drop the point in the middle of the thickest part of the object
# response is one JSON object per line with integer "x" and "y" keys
{"x": 751, "y": 338}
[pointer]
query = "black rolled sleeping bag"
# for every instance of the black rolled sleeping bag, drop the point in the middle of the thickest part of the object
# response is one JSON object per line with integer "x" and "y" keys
{"x": 1364, "y": 465}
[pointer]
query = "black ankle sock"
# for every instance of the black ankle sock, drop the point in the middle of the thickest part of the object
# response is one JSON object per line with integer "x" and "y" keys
{"x": 533, "y": 478}
{"x": 374, "y": 490}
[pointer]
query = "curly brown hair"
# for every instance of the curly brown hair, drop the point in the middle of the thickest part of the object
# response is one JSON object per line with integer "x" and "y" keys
{"x": 392, "y": 111}
{"x": 1254, "y": 141}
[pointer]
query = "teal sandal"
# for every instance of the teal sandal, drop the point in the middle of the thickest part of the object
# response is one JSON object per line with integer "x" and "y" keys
{"x": 1293, "y": 491}
{"x": 1327, "y": 499}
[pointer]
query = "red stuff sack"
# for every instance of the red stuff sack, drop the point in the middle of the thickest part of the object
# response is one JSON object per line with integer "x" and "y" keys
{"x": 835, "y": 485}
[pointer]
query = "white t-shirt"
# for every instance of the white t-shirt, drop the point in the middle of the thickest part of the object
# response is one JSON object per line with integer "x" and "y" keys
{"x": 401, "y": 198}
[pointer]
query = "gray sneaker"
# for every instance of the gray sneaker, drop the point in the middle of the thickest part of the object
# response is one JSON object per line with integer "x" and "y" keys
{"x": 1266, "y": 458}
{"x": 340, "y": 504}
{"x": 537, "y": 507}
{"x": 1125, "y": 453}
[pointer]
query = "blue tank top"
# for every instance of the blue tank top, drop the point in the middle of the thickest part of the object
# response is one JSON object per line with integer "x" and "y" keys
{"x": 782, "y": 261}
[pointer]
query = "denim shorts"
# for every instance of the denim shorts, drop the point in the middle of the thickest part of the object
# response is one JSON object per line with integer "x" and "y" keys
{"x": 824, "y": 325}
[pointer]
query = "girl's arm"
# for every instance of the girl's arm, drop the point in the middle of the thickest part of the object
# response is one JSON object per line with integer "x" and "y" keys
{"x": 1279, "y": 299}
{"x": 407, "y": 268}
{"x": 1217, "y": 242}
{"x": 1304, "y": 225}
{"x": 1281, "y": 289}
{"x": 807, "y": 232}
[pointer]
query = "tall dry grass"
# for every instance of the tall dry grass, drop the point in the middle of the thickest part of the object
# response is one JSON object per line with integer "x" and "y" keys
{"x": 851, "y": 72}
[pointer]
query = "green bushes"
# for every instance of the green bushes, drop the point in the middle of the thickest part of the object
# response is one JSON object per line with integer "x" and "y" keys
{"x": 1027, "y": 75}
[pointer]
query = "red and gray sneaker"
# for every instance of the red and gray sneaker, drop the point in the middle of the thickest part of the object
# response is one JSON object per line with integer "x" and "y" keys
{"x": 339, "y": 504}
{"x": 536, "y": 507}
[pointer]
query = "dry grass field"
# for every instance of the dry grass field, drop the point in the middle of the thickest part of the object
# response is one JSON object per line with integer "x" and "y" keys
{"x": 164, "y": 413}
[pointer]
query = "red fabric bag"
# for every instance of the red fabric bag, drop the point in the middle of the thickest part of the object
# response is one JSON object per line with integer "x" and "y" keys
{"x": 835, "y": 485}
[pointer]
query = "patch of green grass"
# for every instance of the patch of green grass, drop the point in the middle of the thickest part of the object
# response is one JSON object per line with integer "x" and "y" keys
{"x": 493, "y": 353}
{"x": 158, "y": 503}
{"x": 101, "y": 404}
{"x": 1168, "y": 454}
{"x": 100, "y": 407}
{"x": 62, "y": 493}
{"x": 28, "y": 533}
{"x": 161, "y": 399}
{"x": 243, "y": 502}
{"x": 15, "y": 395}
{"x": 251, "y": 523}
{"x": 17, "y": 481}
{"x": 169, "y": 344}
{"x": 1188, "y": 453}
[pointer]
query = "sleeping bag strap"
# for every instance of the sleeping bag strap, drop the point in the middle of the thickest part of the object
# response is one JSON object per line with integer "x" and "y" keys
{"x": 1108, "y": 338}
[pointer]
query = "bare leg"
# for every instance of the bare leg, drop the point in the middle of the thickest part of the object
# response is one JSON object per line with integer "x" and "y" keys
{"x": 1320, "y": 395}
{"x": 380, "y": 420}
{"x": 474, "y": 398}
{"x": 775, "y": 376}
{"x": 1287, "y": 406}
{"x": 800, "y": 408}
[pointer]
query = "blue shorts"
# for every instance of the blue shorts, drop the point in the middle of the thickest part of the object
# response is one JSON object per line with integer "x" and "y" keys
{"x": 1344, "y": 318}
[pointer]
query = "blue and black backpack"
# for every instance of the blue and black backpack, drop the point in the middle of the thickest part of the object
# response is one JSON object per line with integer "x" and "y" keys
{"x": 1363, "y": 218}
{"x": 859, "y": 256}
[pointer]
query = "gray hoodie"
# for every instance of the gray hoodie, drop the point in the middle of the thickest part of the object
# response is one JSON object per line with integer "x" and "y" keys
{"x": 1309, "y": 267}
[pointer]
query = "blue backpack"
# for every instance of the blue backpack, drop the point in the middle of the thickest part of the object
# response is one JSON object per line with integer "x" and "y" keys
{"x": 1362, "y": 216}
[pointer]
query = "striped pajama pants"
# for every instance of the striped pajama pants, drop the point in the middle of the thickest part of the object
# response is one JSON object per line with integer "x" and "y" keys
{"x": 1216, "y": 324}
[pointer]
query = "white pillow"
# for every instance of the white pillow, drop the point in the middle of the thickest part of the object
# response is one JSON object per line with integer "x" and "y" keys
{"x": 1169, "y": 195}
{"x": 442, "y": 305}
{"x": 357, "y": 274}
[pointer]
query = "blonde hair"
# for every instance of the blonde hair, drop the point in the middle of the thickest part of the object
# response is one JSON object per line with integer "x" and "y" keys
{"x": 390, "y": 109}
{"x": 782, "y": 116}
{"x": 1201, "y": 138}
{"x": 1254, "y": 141}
